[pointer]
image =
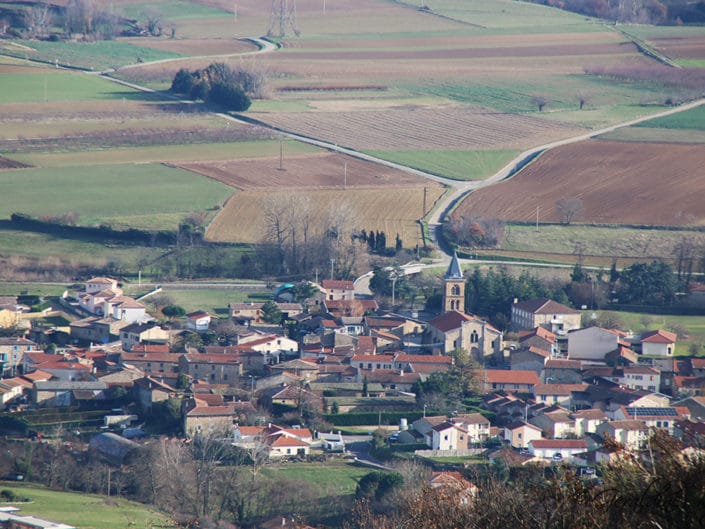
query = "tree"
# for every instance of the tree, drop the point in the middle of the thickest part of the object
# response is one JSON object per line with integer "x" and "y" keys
{"x": 230, "y": 96}
{"x": 540, "y": 101}
{"x": 271, "y": 313}
{"x": 647, "y": 283}
{"x": 173, "y": 311}
{"x": 183, "y": 82}
{"x": 398, "y": 244}
{"x": 334, "y": 408}
{"x": 568, "y": 209}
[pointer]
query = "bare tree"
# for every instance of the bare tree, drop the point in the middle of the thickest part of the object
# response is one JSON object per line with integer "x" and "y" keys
{"x": 583, "y": 98}
{"x": 38, "y": 20}
{"x": 569, "y": 208}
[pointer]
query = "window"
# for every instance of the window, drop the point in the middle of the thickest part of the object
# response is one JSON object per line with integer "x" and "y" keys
{"x": 445, "y": 437}
{"x": 474, "y": 338}
{"x": 455, "y": 290}
{"x": 212, "y": 377}
{"x": 225, "y": 377}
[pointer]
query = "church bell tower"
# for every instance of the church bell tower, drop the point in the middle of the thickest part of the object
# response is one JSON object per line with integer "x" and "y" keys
{"x": 454, "y": 287}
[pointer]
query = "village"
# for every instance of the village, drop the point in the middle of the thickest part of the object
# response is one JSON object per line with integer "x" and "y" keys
{"x": 554, "y": 394}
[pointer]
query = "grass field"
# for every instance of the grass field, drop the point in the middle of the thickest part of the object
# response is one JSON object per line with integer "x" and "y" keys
{"x": 215, "y": 300}
{"x": 329, "y": 479}
{"x": 614, "y": 241}
{"x": 171, "y": 10}
{"x": 149, "y": 196}
{"x": 26, "y": 244}
{"x": 651, "y": 134}
{"x": 47, "y": 85}
{"x": 16, "y": 289}
{"x": 99, "y": 55}
{"x": 460, "y": 165}
{"x": 689, "y": 119}
{"x": 86, "y": 511}
{"x": 192, "y": 152}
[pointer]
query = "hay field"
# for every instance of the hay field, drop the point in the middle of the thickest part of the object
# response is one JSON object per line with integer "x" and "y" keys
{"x": 392, "y": 210}
{"x": 618, "y": 182}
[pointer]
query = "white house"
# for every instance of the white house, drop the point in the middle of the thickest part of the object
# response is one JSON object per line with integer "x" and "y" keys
{"x": 587, "y": 421}
{"x": 449, "y": 436}
{"x": 557, "y": 448}
{"x": 519, "y": 434}
{"x": 96, "y": 284}
{"x": 198, "y": 321}
{"x": 630, "y": 433}
{"x": 658, "y": 343}
{"x": 125, "y": 308}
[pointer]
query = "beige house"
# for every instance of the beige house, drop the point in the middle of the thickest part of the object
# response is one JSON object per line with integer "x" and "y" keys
{"x": 456, "y": 330}
{"x": 140, "y": 333}
{"x": 587, "y": 421}
{"x": 449, "y": 436}
{"x": 630, "y": 433}
{"x": 252, "y": 312}
{"x": 12, "y": 349}
{"x": 337, "y": 290}
{"x": 658, "y": 343}
{"x": 546, "y": 313}
{"x": 520, "y": 434}
{"x": 219, "y": 419}
{"x": 212, "y": 368}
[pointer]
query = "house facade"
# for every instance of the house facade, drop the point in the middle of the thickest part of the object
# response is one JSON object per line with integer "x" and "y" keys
{"x": 544, "y": 312}
{"x": 456, "y": 330}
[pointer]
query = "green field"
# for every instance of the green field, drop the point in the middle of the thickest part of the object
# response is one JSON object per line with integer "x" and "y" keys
{"x": 214, "y": 300}
{"x": 509, "y": 16}
{"x": 150, "y": 196}
{"x": 99, "y": 55}
{"x": 171, "y": 10}
{"x": 47, "y": 85}
{"x": 86, "y": 511}
{"x": 329, "y": 479}
{"x": 32, "y": 245}
{"x": 606, "y": 241}
{"x": 656, "y": 135}
{"x": 460, "y": 165}
{"x": 36, "y": 289}
{"x": 164, "y": 153}
{"x": 688, "y": 119}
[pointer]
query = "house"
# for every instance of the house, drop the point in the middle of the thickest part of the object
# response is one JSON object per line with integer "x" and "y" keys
{"x": 695, "y": 406}
{"x": 202, "y": 418}
{"x": 126, "y": 309}
{"x": 544, "y": 312}
{"x": 11, "y": 388}
{"x": 555, "y": 424}
{"x": 540, "y": 338}
{"x": 422, "y": 363}
{"x": 587, "y": 421}
{"x": 511, "y": 381}
{"x": 336, "y": 290}
{"x": 557, "y": 448}
{"x": 251, "y": 313}
{"x": 49, "y": 393}
{"x": 653, "y": 417}
{"x": 63, "y": 367}
{"x": 592, "y": 343}
{"x": 561, "y": 394}
{"x": 391, "y": 380}
{"x": 476, "y": 425}
{"x": 425, "y": 425}
{"x": 198, "y": 321}
{"x": 453, "y": 482}
{"x": 562, "y": 371}
{"x": 212, "y": 368}
{"x": 298, "y": 397}
{"x": 157, "y": 363}
{"x": 372, "y": 362}
{"x": 449, "y": 436}
{"x": 529, "y": 358}
{"x": 142, "y": 333}
{"x": 273, "y": 347}
{"x": 97, "y": 329}
{"x": 519, "y": 434}
{"x": 97, "y": 284}
{"x": 457, "y": 330}
{"x": 12, "y": 350}
{"x": 150, "y": 390}
{"x": 657, "y": 343}
{"x": 630, "y": 433}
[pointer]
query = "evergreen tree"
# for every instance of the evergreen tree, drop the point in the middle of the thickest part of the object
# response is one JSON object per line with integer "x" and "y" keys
{"x": 398, "y": 244}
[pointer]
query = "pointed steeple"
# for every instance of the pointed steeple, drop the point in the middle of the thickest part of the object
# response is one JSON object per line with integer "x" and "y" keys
{"x": 454, "y": 271}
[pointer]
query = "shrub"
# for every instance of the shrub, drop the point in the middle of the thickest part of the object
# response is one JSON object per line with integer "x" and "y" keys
{"x": 229, "y": 96}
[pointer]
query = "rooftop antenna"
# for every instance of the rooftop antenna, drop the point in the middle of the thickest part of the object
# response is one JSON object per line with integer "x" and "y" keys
{"x": 283, "y": 18}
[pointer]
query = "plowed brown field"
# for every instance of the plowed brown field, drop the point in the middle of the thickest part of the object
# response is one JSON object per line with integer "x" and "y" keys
{"x": 304, "y": 171}
{"x": 451, "y": 127}
{"x": 691, "y": 47}
{"x": 618, "y": 182}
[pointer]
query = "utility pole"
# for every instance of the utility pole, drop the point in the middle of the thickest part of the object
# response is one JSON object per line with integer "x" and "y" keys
{"x": 281, "y": 155}
{"x": 425, "y": 192}
{"x": 537, "y": 219}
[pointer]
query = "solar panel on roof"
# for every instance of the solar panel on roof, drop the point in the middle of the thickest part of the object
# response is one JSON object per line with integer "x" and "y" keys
{"x": 647, "y": 412}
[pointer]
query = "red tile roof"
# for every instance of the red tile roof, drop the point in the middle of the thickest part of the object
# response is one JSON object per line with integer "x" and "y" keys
{"x": 423, "y": 359}
{"x": 373, "y": 358}
{"x": 515, "y": 376}
{"x": 538, "y": 331}
{"x": 211, "y": 411}
{"x": 334, "y": 284}
{"x": 658, "y": 336}
{"x": 450, "y": 320}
